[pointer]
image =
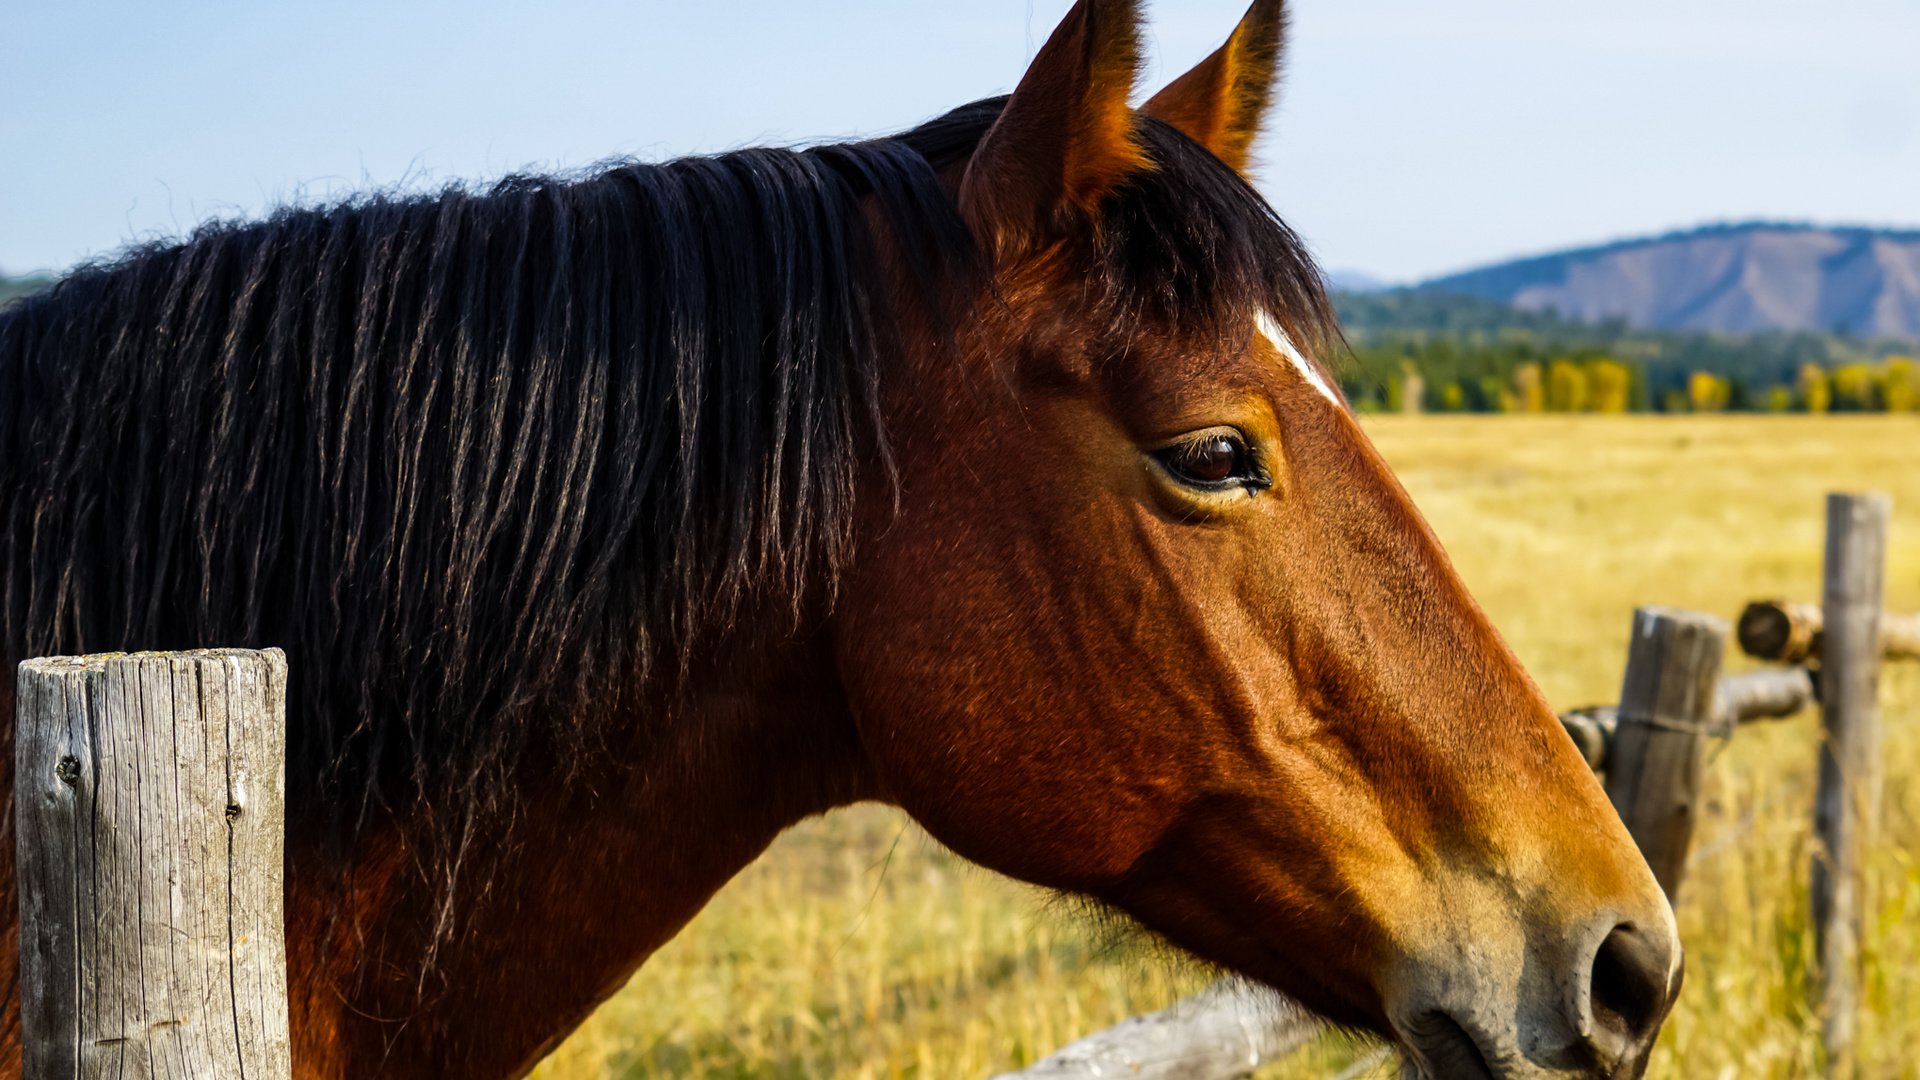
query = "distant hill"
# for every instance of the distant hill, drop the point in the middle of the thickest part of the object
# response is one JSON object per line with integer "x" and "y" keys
{"x": 12, "y": 288}
{"x": 1356, "y": 281}
{"x": 1375, "y": 314}
{"x": 1760, "y": 276}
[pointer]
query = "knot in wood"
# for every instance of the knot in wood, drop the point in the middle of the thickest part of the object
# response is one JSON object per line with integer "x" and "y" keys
{"x": 68, "y": 770}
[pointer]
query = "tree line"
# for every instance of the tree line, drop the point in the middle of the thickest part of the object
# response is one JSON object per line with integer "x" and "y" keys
{"x": 1436, "y": 353}
{"x": 1604, "y": 384}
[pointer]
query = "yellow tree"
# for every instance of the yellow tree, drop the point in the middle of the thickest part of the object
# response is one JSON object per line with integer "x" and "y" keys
{"x": 1707, "y": 392}
{"x": 1900, "y": 385}
{"x": 1856, "y": 388}
{"x": 1530, "y": 395}
{"x": 1816, "y": 390}
{"x": 1566, "y": 387}
{"x": 1609, "y": 386}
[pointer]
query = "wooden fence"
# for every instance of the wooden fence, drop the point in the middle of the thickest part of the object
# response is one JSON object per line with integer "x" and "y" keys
{"x": 149, "y": 801}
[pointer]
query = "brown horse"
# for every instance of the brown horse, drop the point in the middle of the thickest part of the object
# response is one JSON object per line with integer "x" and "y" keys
{"x": 994, "y": 470}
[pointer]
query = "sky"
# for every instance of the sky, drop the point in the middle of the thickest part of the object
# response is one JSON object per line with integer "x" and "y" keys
{"x": 1413, "y": 137}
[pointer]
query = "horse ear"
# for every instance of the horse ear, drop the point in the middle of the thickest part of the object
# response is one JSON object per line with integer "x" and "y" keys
{"x": 1065, "y": 138}
{"x": 1220, "y": 103}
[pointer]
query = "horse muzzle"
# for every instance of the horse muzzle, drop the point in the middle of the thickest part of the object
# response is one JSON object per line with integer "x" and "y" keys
{"x": 1594, "y": 1017}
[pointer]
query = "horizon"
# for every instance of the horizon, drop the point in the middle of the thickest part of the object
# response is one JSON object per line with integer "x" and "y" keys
{"x": 1437, "y": 142}
{"x": 1364, "y": 281}
{"x": 1373, "y": 283}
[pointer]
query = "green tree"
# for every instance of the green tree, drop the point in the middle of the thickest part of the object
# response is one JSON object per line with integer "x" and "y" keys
{"x": 1640, "y": 396}
{"x": 1497, "y": 395}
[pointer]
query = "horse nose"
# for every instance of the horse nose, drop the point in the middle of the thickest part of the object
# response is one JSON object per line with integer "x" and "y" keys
{"x": 1632, "y": 981}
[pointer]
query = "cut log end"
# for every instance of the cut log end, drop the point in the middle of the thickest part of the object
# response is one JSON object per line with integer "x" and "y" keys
{"x": 1790, "y": 633}
{"x": 1780, "y": 631}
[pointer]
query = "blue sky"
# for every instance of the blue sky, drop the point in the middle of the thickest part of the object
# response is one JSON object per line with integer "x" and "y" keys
{"x": 1415, "y": 137}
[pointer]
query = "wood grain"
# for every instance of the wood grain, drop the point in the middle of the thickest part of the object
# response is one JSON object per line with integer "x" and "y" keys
{"x": 149, "y": 790}
{"x": 1666, "y": 719}
{"x": 1846, "y": 806}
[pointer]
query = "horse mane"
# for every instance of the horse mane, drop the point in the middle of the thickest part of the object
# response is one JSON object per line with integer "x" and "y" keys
{"x": 477, "y": 458}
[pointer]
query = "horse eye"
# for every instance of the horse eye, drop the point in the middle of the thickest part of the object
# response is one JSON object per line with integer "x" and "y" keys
{"x": 1211, "y": 461}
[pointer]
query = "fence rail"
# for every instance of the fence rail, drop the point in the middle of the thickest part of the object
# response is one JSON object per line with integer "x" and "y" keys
{"x": 1225, "y": 1031}
{"x": 1790, "y": 633}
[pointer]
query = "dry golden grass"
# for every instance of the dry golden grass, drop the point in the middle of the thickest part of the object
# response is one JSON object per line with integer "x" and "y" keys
{"x": 858, "y": 948}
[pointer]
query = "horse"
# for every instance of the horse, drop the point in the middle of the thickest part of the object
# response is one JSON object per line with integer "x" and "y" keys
{"x": 996, "y": 470}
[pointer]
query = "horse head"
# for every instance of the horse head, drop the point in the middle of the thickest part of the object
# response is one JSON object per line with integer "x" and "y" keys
{"x": 1142, "y": 615}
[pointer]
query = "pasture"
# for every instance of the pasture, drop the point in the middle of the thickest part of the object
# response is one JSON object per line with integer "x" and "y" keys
{"x": 856, "y": 947}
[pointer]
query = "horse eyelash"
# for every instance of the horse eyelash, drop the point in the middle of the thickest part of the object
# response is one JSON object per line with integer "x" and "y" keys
{"x": 1258, "y": 479}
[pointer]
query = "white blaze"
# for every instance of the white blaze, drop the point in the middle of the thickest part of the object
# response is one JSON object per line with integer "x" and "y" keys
{"x": 1276, "y": 336}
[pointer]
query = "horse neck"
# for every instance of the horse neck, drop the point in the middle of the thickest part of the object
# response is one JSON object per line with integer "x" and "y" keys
{"x": 602, "y": 869}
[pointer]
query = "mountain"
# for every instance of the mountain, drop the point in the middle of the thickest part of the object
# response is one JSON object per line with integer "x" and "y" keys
{"x": 1356, "y": 281}
{"x": 11, "y": 288}
{"x": 1740, "y": 278}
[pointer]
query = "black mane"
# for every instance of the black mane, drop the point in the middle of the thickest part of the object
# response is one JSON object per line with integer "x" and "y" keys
{"x": 430, "y": 443}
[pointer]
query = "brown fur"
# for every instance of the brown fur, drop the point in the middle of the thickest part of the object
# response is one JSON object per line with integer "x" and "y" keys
{"x": 1236, "y": 730}
{"x": 1221, "y": 101}
{"x": 601, "y": 872}
{"x": 1066, "y": 138}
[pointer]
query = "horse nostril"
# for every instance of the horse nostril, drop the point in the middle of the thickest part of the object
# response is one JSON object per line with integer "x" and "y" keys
{"x": 1632, "y": 988}
{"x": 1447, "y": 1048}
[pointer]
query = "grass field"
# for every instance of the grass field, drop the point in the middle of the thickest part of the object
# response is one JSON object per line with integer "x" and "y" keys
{"x": 858, "y": 948}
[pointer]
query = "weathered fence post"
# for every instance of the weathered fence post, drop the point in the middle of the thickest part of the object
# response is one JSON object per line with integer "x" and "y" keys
{"x": 1666, "y": 718}
{"x": 1847, "y": 806}
{"x": 149, "y": 800}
